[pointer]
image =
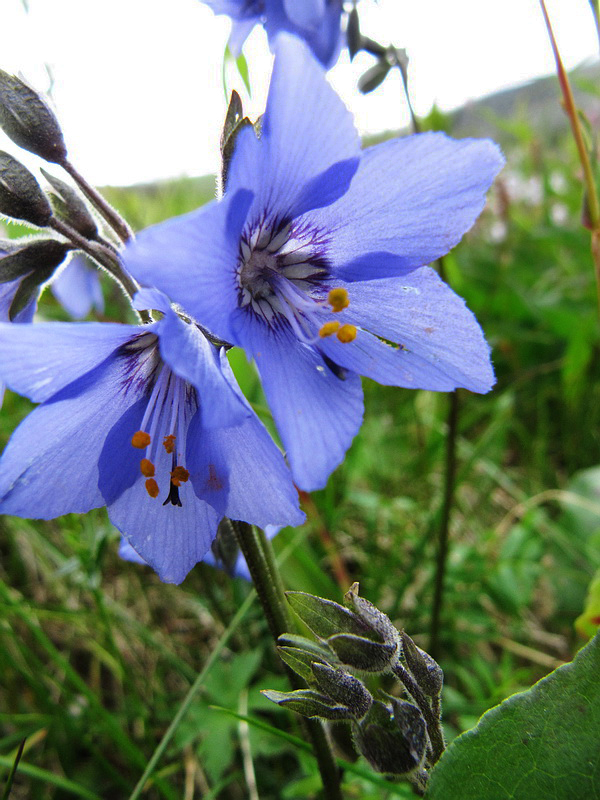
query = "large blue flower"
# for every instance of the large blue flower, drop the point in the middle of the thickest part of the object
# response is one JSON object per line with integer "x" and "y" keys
{"x": 318, "y": 22}
{"x": 146, "y": 420}
{"x": 314, "y": 262}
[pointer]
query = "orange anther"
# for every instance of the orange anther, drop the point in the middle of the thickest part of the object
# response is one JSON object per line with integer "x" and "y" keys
{"x": 152, "y": 487}
{"x": 169, "y": 442}
{"x": 140, "y": 439}
{"x": 347, "y": 333}
{"x": 329, "y": 328}
{"x": 338, "y": 299}
{"x": 179, "y": 475}
{"x": 147, "y": 468}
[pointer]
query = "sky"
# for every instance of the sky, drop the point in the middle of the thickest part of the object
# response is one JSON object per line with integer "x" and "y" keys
{"x": 138, "y": 84}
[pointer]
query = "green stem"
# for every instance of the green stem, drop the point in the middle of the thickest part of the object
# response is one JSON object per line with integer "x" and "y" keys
{"x": 443, "y": 535}
{"x": 258, "y": 553}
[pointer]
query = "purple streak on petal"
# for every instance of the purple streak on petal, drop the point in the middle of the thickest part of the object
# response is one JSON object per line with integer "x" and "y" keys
{"x": 77, "y": 288}
{"x": 39, "y": 360}
{"x": 411, "y": 198}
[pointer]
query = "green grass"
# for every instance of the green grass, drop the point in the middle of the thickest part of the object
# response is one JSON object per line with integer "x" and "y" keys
{"x": 97, "y": 656}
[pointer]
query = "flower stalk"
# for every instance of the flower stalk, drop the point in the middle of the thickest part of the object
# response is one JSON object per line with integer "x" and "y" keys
{"x": 258, "y": 553}
{"x": 592, "y": 204}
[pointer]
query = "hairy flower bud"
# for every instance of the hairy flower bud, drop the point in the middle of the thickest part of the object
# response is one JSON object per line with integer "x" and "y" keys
{"x": 371, "y": 616}
{"x": 20, "y": 193}
{"x": 309, "y": 704}
{"x": 393, "y": 741}
{"x": 28, "y": 120}
{"x": 71, "y": 208}
{"x": 33, "y": 261}
{"x": 363, "y": 654}
{"x": 324, "y": 617}
{"x": 235, "y": 121}
{"x": 344, "y": 688}
{"x": 425, "y": 670}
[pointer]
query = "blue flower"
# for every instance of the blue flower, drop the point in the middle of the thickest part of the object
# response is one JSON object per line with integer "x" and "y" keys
{"x": 78, "y": 289}
{"x": 314, "y": 262}
{"x": 318, "y": 22}
{"x": 146, "y": 420}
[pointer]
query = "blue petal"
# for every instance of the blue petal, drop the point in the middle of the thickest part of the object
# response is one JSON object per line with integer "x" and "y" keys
{"x": 409, "y": 203}
{"x": 40, "y": 360}
{"x": 191, "y": 356}
{"x": 50, "y": 465}
{"x": 148, "y": 299}
{"x": 127, "y": 553}
{"x": 323, "y": 35}
{"x": 443, "y": 344}
{"x": 7, "y": 294}
{"x": 77, "y": 288}
{"x": 170, "y": 538}
{"x": 305, "y": 14}
{"x": 193, "y": 259}
{"x": 317, "y": 412}
{"x": 306, "y": 129}
{"x": 241, "y": 473}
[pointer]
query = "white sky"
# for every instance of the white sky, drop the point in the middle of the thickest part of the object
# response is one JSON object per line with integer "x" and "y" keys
{"x": 138, "y": 84}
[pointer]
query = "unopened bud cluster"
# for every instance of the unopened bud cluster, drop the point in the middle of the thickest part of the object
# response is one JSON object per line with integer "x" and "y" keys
{"x": 400, "y": 737}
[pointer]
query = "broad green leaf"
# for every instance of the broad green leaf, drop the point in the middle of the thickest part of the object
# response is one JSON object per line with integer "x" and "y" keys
{"x": 541, "y": 744}
{"x": 588, "y": 621}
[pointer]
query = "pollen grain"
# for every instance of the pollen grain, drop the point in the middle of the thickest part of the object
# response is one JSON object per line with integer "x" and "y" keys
{"x": 147, "y": 468}
{"x": 152, "y": 487}
{"x": 179, "y": 475}
{"x": 140, "y": 439}
{"x": 328, "y": 328}
{"x": 338, "y": 299}
{"x": 169, "y": 442}
{"x": 347, "y": 333}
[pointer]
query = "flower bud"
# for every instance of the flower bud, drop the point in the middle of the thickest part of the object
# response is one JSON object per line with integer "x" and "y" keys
{"x": 28, "y": 120}
{"x": 20, "y": 193}
{"x": 363, "y": 654}
{"x": 19, "y": 257}
{"x": 309, "y": 704}
{"x": 343, "y": 688}
{"x": 425, "y": 670}
{"x": 71, "y": 208}
{"x": 353, "y": 36}
{"x": 393, "y": 741}
{"x": 235, "y": 122}
{"x": 372, "y": 617}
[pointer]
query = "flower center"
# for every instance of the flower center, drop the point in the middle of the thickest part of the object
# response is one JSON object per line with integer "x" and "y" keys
{"x": 165, "y": 411}
{"x": 283, "y": 276}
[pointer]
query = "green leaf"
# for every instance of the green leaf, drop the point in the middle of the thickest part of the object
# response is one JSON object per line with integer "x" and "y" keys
{"x": 538, "y": 745}
{"x": 588, "y": 621}
{"x": 309, "y": 704}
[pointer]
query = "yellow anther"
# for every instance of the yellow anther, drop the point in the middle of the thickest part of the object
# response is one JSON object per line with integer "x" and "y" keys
{"x": 140, "y": 439}
{"x": 179, "y": 475}
{"x": 152, "y": 487}
{"x": 347, "y": 333}
{"x": 169, "y": 443}
{"x": 147, "y": 468}
{"x": 338, "y": 299}
{"x": 328, "y": 328}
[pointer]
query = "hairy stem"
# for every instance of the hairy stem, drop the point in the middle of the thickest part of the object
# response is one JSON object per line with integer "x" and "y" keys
{"x": 259, "y": 556}
{"x": 115, "y": 220}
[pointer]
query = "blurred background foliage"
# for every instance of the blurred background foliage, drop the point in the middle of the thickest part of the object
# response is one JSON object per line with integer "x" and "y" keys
{"x": 96, "y": 655}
